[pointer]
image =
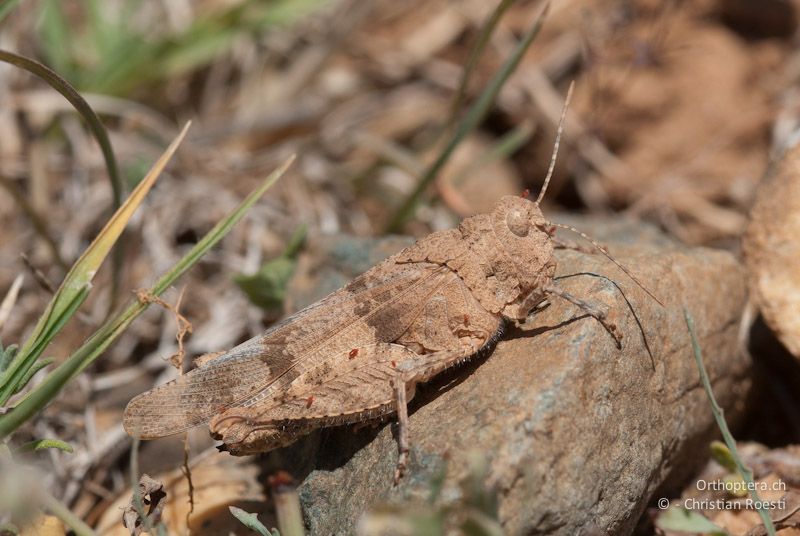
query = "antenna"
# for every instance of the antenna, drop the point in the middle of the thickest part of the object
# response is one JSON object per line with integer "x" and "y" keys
{"x": 609, "y": 257}
{"x": 558, "y": 142}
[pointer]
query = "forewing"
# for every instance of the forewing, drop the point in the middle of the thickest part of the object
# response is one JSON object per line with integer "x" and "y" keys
{"x": 359, "y": 383}
{"x": 195, "y": 397}
{"x": 361, "y": 388}
{"x": 377, "y": 306}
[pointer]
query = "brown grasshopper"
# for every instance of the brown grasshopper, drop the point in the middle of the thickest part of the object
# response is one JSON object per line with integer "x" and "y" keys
{"x": 359, "y": 353}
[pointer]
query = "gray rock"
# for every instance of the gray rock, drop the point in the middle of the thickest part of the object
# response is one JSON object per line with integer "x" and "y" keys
{"x": 577, "y": 435}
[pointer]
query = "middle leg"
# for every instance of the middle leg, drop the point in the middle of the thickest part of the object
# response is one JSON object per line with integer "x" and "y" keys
{"x": 594, "y": 310}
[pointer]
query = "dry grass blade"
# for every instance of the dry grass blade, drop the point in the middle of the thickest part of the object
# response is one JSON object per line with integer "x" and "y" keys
{"x": 10, "y": 299}
{"x": 95, "y": 125}
{"x": 114, "y": 327}
{"x": 76, "y": 284}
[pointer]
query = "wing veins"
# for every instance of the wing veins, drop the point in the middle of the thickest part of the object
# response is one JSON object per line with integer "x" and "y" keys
{"x": 439, "y": 271}
{"x": 258, "y": 387}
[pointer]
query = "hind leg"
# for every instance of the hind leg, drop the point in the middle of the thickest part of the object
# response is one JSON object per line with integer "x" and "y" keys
{"x": 403, "y": 445}
{"x": 409, "y": 374}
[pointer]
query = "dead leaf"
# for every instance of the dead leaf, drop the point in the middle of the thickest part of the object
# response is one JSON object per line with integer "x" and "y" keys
{"x": 219, "y": 482}
{"x": 44, "y": 525}
{"x": 150, "y": 497}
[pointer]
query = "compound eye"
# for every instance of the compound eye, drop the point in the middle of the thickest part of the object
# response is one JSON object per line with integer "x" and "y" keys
{"x": 518, "y": 222}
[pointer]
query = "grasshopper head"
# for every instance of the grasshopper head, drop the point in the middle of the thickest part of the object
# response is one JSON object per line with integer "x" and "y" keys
{"x": 524, "y": 237}
{"x": 519, "y": 219}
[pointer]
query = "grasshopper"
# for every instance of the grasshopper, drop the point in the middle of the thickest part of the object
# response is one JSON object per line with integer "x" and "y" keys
{"x": 358, "y": 354}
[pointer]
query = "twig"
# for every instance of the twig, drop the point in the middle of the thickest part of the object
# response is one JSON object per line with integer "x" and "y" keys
{"x": 38, "y": 222}
{"x": 38, "y": 275}
{"x": 184, "y": 326}
{"x": 187, "y": 472}
{"x": 287, "y": 504}
{"x": 719, "y": 416}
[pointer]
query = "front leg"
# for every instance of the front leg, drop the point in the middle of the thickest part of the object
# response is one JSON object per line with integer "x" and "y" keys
{"x": 594, "y": 310}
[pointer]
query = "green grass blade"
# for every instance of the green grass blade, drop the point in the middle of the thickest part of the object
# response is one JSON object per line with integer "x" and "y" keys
{"x": 95, "y": 125}
{"x": 39, "y": 365}
{"x": 477, "y": 50}
{"x": 475, "y": 115}
{"x": 679, "y": 519}
{"x": 746, "y": 473}
{"x": 18, "y": 373}
{"x": 76, "y": 284}
{"x": 65, "y": 514}
{"x": 249, "y": 520}
{"x": 42, "y": 444}
{"x": 43, "y": 393}
{"x": 56, "y": 37}
{"x": 6, "y": 355}
{"x": 6, "y": 7}
{"x": 79, "y": 103}
{"x": 137, "y": 59}
{"x": 15, "y": 380}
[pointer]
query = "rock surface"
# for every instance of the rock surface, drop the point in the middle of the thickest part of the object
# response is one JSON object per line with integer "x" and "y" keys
{"x": 771, "y": 248}
{"x": 578, "y": 435}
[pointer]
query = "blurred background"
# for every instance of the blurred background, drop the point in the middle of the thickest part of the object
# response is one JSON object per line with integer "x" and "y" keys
{"x": 679, "y": 108}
